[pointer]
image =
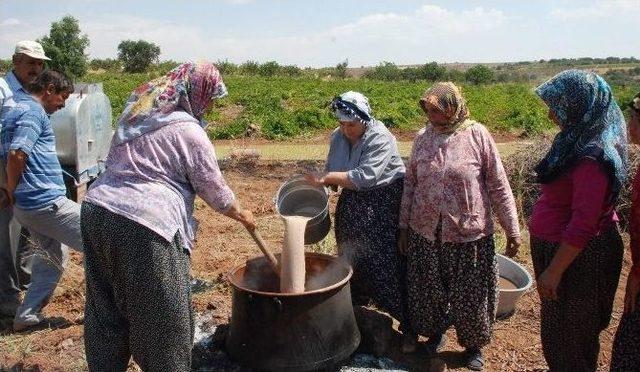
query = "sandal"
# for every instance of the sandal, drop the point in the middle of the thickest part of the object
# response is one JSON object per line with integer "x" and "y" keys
{"x": 475, "y": 360}
{"x": 436, "y": 343}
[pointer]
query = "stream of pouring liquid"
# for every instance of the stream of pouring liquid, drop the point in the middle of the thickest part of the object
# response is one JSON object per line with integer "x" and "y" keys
{"x": 292, "y": 264}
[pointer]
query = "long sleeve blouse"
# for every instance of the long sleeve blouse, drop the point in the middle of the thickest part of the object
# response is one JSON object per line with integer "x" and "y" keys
{"x": 374, "y": 161}
{"x": 457, "y": 179}
{"x": 153, "y": 180}
{"x": 575, "y": 207}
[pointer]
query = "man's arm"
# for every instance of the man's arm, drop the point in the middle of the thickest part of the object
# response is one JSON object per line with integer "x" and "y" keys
{"x": 16, "y": 163}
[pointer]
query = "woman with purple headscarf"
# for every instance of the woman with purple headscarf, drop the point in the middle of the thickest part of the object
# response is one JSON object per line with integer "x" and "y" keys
{"x": 137, "y": 224}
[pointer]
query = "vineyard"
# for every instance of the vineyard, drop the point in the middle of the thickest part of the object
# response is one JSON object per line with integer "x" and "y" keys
{"x": 284, "y": 107}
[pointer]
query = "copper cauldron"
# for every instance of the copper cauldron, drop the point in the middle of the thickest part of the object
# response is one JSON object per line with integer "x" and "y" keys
{"x": 292, "y": 332}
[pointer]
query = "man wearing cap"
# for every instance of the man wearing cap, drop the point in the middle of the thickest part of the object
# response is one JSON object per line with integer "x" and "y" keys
{"x": 28, "y": 63}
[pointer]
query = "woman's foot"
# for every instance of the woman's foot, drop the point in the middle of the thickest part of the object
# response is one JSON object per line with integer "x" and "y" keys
{"x": 436, "y": 343}
{"x": 409, "y": 342}
{"x": 475, "y": 360}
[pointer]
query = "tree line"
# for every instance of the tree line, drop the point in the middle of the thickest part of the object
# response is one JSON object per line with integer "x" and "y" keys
{"x": 66, "y": 46}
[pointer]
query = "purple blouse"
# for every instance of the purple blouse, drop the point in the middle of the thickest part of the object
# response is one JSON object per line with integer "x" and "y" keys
{"x": 153, "y": 180}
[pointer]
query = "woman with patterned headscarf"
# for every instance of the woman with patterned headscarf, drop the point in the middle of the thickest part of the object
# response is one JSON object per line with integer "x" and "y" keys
{"x": 137, "y": 224}
{"x": 575, "y": 243}
{"x": 625, "y": 355}
{"x": 454, "y": 179}
{"x": 364, "y": 161}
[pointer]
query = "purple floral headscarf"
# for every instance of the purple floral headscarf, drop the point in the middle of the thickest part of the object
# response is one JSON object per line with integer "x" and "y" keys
{"x": 188, "y": 88}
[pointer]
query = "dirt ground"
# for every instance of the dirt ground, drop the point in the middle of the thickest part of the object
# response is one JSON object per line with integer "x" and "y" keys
{"x": 221, "y": 245}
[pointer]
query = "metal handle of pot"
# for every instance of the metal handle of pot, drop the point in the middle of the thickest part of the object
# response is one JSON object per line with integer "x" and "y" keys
{"x": 263, "y": 247}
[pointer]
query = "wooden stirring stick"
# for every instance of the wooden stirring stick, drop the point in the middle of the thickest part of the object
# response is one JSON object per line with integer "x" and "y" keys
{"x": 263, "y": 247}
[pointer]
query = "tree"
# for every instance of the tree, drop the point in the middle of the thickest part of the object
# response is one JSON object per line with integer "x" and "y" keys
{"x": 432, "y": 71}
{"x": 65, "y": 46}
{"x": 479, "y": 74}
{"x": 455, "y": 75}
{"x": 290, "y": 71}
{"x": 5, "y": 65}
{"x": 384, "y": 71}
{"x": 270, "y": 68}
{"x": 226, "y": 68}
{"x": 250, "y": 68}
{"x": 341, "y": 69}
{"x": 137, "y": 56}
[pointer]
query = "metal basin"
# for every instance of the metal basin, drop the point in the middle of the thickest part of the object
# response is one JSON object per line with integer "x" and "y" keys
{"x": 518, "y": 275}
{"x": 292, "y": 332}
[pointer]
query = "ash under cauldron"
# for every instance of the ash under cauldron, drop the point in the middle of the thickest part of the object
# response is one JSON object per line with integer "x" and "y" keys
{"x": 306, "y": 331}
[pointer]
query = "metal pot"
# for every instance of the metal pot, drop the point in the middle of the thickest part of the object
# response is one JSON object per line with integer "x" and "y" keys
{"x": 299, "y": 197}
{"x": 291, "y": 332}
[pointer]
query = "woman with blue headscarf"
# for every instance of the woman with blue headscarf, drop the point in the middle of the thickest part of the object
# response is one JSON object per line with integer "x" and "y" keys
{"x": 364, "y": 161}
{"x": 575, "y": 243}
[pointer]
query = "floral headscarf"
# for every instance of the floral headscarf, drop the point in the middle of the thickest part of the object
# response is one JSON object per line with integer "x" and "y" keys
{"x": 592, "y": 126}
{"x": 189, "y": 88}
{"x": 446, "y": 97}
{"x": 352, "y": 106}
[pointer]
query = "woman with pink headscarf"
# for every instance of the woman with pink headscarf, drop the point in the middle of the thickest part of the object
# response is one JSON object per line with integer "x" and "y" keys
{"x": 138, "y": 228}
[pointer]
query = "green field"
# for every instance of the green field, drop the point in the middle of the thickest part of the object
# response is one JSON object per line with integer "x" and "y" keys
{"x": 285, "y": 107}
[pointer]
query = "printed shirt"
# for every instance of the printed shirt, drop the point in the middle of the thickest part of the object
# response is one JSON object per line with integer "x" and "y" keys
{"x": 456, "y": 179}
{"x": 374, "y": 161}
{"x": 153, "y": 180}
{"x": 575, "y": 207}
{"x": 27, "y": 128}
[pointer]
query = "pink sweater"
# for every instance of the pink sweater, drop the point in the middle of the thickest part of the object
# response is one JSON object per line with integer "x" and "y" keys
{"x": 575, "y": 207}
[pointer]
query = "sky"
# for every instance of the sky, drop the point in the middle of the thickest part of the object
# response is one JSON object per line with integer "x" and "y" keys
{"x": 324, "y": 33}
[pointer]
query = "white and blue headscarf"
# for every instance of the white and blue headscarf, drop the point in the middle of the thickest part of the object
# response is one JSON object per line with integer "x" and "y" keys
{"x": 352, "y": 106}
{"x": 592, "y": 126}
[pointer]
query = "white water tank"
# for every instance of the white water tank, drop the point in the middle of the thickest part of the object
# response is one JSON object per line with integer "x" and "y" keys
{"x": 83, "y": 132}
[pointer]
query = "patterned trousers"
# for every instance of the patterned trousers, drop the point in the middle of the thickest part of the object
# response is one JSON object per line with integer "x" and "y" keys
{"x": 626, "y": 345}
{"x": 366, "y": 234}
{"x": 138, "y": 296}
{"x": 571, "y": 325}
{"x": 453, "y": 284}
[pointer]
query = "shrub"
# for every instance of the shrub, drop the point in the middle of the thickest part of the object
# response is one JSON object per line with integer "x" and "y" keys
{"x": 479, "y": 74}
{"x": 137, "y": 56}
